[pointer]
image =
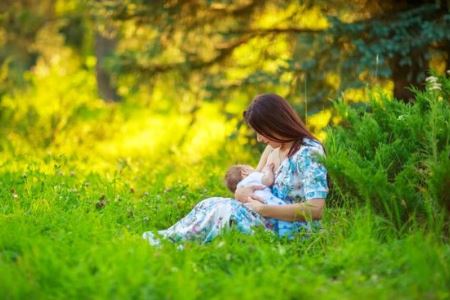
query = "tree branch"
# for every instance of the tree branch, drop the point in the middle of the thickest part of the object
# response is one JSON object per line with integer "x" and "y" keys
{"x": 223, "y": 52}
{"x": 265, "y": 31}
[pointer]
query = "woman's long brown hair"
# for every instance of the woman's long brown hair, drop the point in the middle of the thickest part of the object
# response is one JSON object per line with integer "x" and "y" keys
{"x": 273, "y": 117}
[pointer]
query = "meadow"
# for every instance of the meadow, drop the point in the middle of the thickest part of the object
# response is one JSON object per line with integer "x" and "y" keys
{"x": 80, "y": 181}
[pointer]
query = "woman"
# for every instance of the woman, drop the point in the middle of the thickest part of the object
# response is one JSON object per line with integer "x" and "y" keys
{"x": 300, "y": 182}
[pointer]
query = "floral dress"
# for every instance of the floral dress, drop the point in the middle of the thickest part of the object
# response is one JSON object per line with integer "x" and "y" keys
{"x": 300, "y": 177}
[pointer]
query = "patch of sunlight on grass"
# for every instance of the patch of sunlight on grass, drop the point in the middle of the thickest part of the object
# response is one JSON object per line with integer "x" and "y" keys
{"x": 144, "y": 137}
{"x": 207, "y": 135}
{"x": 54, "y": 92}
{"x": 204, "y": 139}
{"x": 159, "y": 133}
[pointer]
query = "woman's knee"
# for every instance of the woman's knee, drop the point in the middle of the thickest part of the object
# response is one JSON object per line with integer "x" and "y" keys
{"x": 211, "y": 201}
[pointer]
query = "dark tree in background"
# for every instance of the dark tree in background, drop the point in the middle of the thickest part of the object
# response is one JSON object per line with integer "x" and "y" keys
{"x": 20, "y": 22}
{"x": 105, "y": 45}
{"x": 363, "y": 42}
{"x": 385, "y": 39}
{"x": 404, "y": 35}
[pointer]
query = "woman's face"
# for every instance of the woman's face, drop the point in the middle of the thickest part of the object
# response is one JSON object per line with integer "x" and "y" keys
{"x": 262, "y": 139}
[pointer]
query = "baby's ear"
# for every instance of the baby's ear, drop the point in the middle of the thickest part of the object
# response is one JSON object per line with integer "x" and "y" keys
{"x": 244, "y": 173}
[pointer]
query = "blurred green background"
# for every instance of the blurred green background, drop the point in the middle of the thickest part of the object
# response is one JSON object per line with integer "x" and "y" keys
{"x": 62, "y": 61}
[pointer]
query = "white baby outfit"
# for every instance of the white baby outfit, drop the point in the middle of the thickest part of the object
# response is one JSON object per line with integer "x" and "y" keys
{"x": 255, "y": 178}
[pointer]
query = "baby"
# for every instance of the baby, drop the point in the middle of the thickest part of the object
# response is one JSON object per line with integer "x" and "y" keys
{"x": 245, "y": 175}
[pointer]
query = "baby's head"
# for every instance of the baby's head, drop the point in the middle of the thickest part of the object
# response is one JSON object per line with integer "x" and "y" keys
{"x": 235, "y": 174}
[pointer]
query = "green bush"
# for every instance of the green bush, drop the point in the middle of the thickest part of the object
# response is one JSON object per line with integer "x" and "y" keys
{"x": 394, "y": 156}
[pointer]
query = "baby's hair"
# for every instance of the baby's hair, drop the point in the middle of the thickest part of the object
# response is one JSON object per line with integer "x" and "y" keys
{"x": 232, "y": 177}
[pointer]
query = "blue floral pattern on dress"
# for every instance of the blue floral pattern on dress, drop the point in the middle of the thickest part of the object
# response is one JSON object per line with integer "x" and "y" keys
{"x": 299, "y": 178}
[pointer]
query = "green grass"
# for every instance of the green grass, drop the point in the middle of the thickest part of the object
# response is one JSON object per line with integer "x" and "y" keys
{"x": 56, "y": 243}
{"x": 71, "y": 224}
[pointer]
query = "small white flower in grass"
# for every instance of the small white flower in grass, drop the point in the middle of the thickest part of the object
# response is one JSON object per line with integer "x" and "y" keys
{"x": 433, "y": 83}
{"x": 448, "y": 72}
{"x": 431, "y": 79}
{"x": 435, "y": 87}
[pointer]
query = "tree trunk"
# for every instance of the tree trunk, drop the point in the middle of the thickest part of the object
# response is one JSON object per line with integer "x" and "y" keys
{"x": 410, "y": 75}
{"x": 413, "y": 73}
{"x": 447, "y": 63}
{"x": 104, "y": 46}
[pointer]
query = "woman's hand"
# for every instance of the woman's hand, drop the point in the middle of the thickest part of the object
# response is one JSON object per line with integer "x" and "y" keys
{"x": 255, "y": 203}
{"x": 242, "y": 194}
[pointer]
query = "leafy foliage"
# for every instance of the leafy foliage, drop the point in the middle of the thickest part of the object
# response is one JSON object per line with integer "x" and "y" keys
{"x": 309, "y": 52}
{"x": 394, "y": 156}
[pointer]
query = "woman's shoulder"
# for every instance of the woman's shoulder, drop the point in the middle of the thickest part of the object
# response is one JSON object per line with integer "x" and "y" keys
{"x": 308, "y": 156}
{"x": 308, "y": 148}
{"x": 309, "y": 151}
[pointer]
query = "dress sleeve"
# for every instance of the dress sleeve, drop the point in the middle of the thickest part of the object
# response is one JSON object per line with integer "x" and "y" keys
{"x": 313, "y": 174}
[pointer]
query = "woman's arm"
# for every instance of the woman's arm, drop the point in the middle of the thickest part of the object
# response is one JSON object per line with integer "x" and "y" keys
{"x": 304, "y": 211}
{"x": 242, "y": 194}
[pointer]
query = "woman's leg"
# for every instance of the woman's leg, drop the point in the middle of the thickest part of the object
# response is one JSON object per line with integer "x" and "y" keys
{"x": 209, "y": 218}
